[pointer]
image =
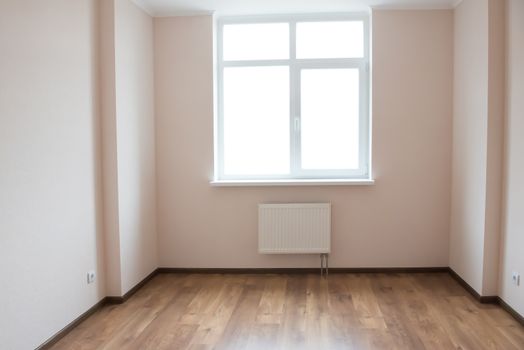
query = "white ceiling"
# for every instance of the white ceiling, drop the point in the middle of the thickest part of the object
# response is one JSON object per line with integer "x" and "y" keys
{"x": 163, "y": 8}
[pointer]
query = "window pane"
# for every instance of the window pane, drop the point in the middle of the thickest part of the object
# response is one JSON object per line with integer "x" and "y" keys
{"x": 330, "y": 39}
{"x": 330, "y": 118}
{"x": 260, "y": 41}
{"x": 256, "y": 120}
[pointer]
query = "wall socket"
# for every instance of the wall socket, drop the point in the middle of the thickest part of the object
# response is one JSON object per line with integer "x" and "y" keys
{"x": 515, "y": 277}
{"x": 91, "y": 276}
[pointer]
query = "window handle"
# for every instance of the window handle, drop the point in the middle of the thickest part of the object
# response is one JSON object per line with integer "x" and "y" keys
{"x": 297, "y": 123}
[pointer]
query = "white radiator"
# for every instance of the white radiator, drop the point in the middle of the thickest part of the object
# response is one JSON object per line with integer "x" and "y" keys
{"x": 294, "y": 228}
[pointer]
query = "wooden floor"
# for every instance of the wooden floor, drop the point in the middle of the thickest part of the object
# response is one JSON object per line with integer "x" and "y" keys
{"x": 345, "y": 311}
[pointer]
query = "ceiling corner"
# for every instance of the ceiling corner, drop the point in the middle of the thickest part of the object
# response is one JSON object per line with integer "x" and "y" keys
{"x": 456, "y": 3}
{"x": 144, "y": 6}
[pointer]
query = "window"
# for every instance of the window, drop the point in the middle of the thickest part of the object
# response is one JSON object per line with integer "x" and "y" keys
{"x": 292, "y": 98}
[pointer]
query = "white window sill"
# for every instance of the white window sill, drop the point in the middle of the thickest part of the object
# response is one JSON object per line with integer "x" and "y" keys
{"x": 293, "y": 182}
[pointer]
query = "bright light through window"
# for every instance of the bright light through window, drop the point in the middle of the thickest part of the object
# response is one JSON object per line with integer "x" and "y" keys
{"x": 330, "y": 112}
{"x": 292, "y": 98}
{"x": 256, "y": 120}
{"x": 259, "y": 41}
{"x": 330, "y": 39}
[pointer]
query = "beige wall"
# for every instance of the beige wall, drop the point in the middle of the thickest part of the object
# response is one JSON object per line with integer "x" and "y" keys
{"x": 128, "y": 124}
{"x": 50, "y": 217}
{"x": 109, "y": 147}
{"x": 513, "y": 220}
{"x": 402, "y": 220}
{"x": 54, "y": 154}
{"x": 469, "y": 141}
{"x": 135, "y": 126}
{"x": 495, "y": 145}
{"x": 477, "y": 143}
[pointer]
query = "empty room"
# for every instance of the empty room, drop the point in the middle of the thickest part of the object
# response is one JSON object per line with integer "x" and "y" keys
{"x": 261, "y": 174}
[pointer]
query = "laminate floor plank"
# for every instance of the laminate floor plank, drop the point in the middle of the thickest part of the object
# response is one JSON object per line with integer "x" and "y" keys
{"x": 299, "y": 311}
{"x": 241, "y": 323}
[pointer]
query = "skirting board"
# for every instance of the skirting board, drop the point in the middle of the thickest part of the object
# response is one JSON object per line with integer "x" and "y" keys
{"x": 121, "y": 299}
{"x": 490, "y": 299}
{"x": 55, "y": 338}
{"x": 510, "y": 310}
{"x": 302, "y": 270}
{"x": 105, "y": 301}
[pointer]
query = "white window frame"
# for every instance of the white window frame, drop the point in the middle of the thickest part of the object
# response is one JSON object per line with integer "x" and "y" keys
{"x": 296, "y": 65}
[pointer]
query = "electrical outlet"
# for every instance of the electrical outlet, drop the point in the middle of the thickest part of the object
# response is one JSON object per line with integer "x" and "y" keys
{"x": 515, "y": 277}
{"x": 91, "y": 276}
